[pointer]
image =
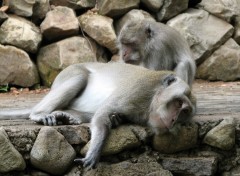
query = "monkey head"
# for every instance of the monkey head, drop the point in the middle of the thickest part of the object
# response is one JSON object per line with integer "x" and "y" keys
{"x": 133, "y": 41}
{"x": 174, "y": 104}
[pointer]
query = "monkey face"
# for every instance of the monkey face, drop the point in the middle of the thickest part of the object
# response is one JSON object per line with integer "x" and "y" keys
{"x": 172, "y": 105}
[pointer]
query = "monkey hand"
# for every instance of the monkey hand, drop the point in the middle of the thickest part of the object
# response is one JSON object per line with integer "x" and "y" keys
{"x": 89, "y": 161}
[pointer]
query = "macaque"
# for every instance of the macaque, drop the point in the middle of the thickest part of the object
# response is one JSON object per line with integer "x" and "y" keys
{"x": 156, "y": 46}
{"x": 105, "y": 94}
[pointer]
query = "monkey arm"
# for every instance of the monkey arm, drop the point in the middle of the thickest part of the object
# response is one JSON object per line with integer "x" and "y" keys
{"x": 100, "y": 127}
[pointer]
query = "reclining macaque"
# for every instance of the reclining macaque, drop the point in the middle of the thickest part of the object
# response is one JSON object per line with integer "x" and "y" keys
{"x": 156, "y": 46}
{"x": 99, "y": 93}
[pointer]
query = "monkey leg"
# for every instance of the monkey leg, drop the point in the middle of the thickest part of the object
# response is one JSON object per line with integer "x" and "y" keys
{"x": 59, "y": 97}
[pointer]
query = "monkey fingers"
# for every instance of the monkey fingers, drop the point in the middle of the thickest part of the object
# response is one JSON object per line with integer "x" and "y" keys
{"x": 87, "y": 162}
{"x": 66, "y": 118}
{"x": 49, "y": 120}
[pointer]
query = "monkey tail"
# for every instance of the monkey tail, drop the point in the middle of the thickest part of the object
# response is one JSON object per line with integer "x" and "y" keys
{"x": 14, "y": 114}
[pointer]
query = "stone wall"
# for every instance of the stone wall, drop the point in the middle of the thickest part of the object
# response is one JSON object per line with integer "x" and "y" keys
{"x": 39, "y": 38}
{"x": 199, "y": 148}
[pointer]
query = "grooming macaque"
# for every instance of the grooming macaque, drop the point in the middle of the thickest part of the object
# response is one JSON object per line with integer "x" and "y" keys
{"x": 107, "y": 94}
{"x": 156, "y": 46}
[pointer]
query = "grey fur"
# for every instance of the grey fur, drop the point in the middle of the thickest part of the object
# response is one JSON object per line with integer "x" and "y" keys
{"x": 106, "y": 94}
{"x": 156, "y": 46}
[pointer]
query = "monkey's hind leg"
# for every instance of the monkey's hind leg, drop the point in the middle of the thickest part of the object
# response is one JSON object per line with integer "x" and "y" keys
{"x": 60, "y": 96}
{"x": 70, "y": 117}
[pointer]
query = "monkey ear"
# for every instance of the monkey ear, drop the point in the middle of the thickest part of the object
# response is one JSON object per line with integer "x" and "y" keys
{"x": 149, "y": 31}
{"x": 168, "y": 80}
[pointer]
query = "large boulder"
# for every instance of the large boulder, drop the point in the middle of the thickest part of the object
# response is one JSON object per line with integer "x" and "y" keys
{"x": 121, "y": 138}
{"x": 22, "y": 7}
{"x": 116, "y": 8}
{"x": 61, "y": 22}
{"x": 76, "y": 4}
{"x": 55, "y": 57}
{"x": 100, "y": 28}
{"x": 153, "y": 5}
{"x": 199, "y": 28}
{"x": 132, "y": 15}
{"x": 222, "y": 136}
{"x": 224, "y": 9}
{"x": 10, "y": 158}
{"x": 40, "y": 9}
{"x": 16, "y": 67}
{"x": 184, "y": 137}
{"x": 171, "y": 8}
{"x": 223, "y": 64}
{"x": 51, "y": 152}
{"x": 21, "y": 33}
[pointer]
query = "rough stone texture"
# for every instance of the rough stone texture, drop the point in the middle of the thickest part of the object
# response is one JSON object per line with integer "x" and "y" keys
{"x": 11, "y": 72}
{"x": 143, "y": 166}
{"x": 224, "y": 9}
{"x": 153, "y": 5}
{"x": 222, "y": 136}
{"x": 10, "y": 158}
{"x": 100, "y": 28}
{"x": 75, "y": 134}
{"x": 53, "y": 58}
{"x": 191, "y": 166}
{"x": 51, "y": 152}
{"x": 22, "y": 138}
{"x": 116, "y": 8}
{"x": 171, "y": 8}
{"x": 236, "y": 35}
{"x": 60, "y": 23}
{"x": 132, "y": 15}
{"x": 121, "y": 138}
{"x": 40, "y": 9}
{"x": 3, "y": 17}
{"x": 22, "y": 7}
{"x": 202, "y": 39}
{"x": 76, "y": 4}
{"x": 184, "y": 137}
{"x": 21, "y": 33}
{"x": 223, "y": 64}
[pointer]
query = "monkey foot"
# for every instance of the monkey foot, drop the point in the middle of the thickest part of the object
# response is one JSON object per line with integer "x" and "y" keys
{"x": 67, "y": 118}
{"x": 86, "y": 162}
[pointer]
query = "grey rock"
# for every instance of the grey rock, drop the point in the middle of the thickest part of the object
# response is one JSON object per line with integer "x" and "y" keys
{"x": 11, "y": 159}
{"x": 76, "y": 4}
{"x": 121, "y": 138}
{"x": 153, "y": 5}
{"x": 22, "y": 7}
{"x": 224, "y": 9}
{"x": 222, "y": 136}
{"x": 133, "y": 15}
{"x": 74, "y": 171}
{"x": 22, "y": 138}
{"x": 16, "y": 67}
{"x": 143, "y": 166}
{"x": 171, "y": 8}
{"x": 55, "y": 57}
{"x": 236, "y": 35}
{"x": 60, "y": 23}
{"x": 116, "y": 8}
{"x": 199, "y": 28}
{"x": 75, "y": 134}
{"x": 206, "y": 166}
{"x": 223, "y": 64}
{"x": 184, "y": 137}
{"x": 51, "y": 152}
{"x": 40, "y": 9}
{"x": 3, "y": 17}
{"x": 100, "y": 28}
{"x": 21, "y": 33}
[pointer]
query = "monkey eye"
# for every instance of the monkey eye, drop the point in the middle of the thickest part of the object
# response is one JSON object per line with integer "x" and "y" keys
{"x": 179, "y": 103}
